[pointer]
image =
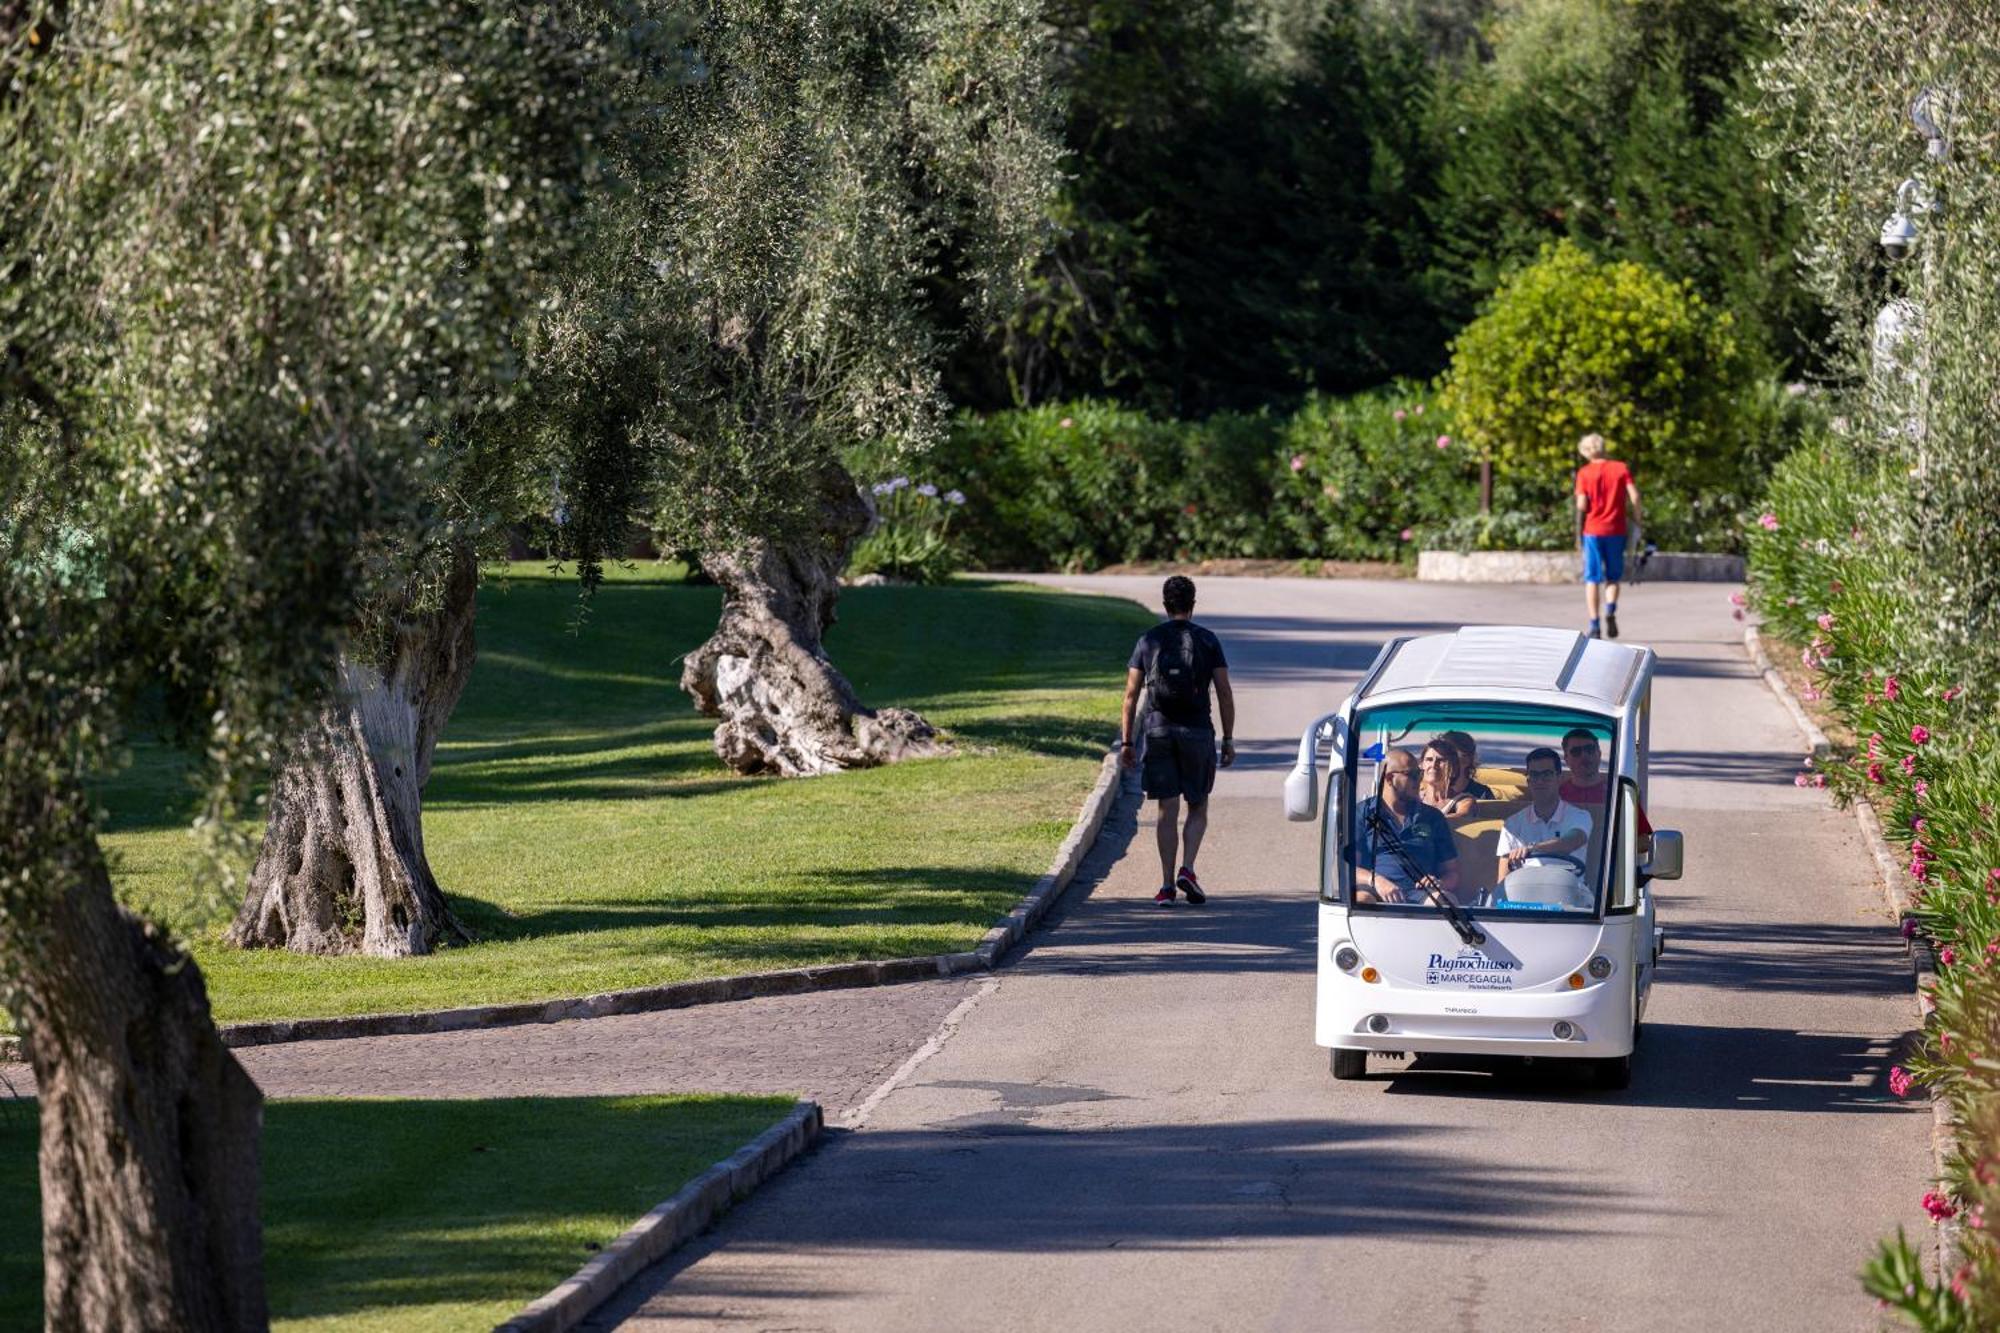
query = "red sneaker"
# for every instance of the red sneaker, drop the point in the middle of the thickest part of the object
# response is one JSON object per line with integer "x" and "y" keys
{"x": 1188, "y": 884}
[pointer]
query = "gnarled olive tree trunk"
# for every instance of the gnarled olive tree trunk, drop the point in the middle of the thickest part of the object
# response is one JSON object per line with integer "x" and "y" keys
{"x": 342, "y": 869}
{"x": 149, "y": 1127}
{"x": 784, "y": 707}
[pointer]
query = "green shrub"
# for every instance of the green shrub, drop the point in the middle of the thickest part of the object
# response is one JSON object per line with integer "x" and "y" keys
{"x": 1570, "y": 345}
{"x": 1367, "y": 476}
{"x": 1079, "y": 485}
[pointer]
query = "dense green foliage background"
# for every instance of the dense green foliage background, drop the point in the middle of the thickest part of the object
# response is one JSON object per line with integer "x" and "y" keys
{"x": 1275, "y": 205}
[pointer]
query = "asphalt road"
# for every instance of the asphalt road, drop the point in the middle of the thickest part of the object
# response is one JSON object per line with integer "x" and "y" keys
{"x": 1131, "y": 1128}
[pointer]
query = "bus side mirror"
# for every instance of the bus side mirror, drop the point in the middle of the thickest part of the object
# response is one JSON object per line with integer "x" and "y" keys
{"x": 1302, "y": 793}
{"x": 1302, "y": 783}
{"x": 1665, "y": 862}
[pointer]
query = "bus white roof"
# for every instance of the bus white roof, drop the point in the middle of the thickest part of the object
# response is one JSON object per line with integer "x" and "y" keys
{"x": 1516, "y": 662}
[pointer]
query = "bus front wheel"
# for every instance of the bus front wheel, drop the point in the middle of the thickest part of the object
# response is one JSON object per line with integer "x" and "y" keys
{"x": 1349, "y": 1064}
{"x": 1614, "y": 1074}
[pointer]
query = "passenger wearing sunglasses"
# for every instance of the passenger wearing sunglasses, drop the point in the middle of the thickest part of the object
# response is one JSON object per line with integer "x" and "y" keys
{"x": 1585, "y": 786}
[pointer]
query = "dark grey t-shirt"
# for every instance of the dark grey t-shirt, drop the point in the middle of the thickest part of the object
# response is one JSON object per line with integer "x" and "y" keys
{"x": 1207, "y": 651}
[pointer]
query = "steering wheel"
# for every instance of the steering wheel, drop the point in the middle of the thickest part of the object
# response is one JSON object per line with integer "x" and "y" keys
{"x": 1576, "y": 862}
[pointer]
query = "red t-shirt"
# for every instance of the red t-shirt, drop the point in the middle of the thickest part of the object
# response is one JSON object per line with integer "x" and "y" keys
{"x": 1602, "y": 485}
{"x": 1591, "y": 799}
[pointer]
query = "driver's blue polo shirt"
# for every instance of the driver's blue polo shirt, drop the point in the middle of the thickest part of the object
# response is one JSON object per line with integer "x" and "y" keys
{"x": 1425, "y": 836}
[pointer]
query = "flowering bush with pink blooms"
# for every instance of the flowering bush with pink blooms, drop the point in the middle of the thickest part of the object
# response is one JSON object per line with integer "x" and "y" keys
{"x": 1832, "y": 577}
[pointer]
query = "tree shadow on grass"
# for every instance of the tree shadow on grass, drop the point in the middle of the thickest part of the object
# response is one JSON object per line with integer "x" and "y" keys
{"x": 370, "y": 1204}
{"x": 887, "y": 898}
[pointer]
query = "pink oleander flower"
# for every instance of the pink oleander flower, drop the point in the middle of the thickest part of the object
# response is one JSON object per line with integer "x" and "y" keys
{"x": 1909, "y": 765}
{"x": 1824, "y": 620}
{"x": 1918, "y": 825}
{"x": 1400, "y": 414}
{"x": 1791, "y": 601}
{"x": 1798, "y": 779}
{"x": 1947, "y": 956}
{"x": 1920, "y": 735}
{"x": 1875, "y": 774}
{"x": 1951, "y": 692}
{"x": 1900, "y": 1081}
{"x": 1809, "y": 694}
{"x": 1407, "y": 534}
{"x": 1769, "y": 521}
{"x": 1420, "y": 409}
{"x": 1856, "y": 534}
{"x": 1939, "y": 1207}
{"x": 1920, "y": 869}
{"x": 1892, "y": 689}
{"x": 1944, "y": 1042}
{"x": 1961, "y": 1281}
{"x": 1444, "y": 441}
{"x": 1066, "y": 423}
{"x": 1738, "y": 599}
{"x": 1298, "y": 462}
{"x": 1920, "y": 789}
{"x": 1738, "y": 613}
{"x": 1819, "y": 780}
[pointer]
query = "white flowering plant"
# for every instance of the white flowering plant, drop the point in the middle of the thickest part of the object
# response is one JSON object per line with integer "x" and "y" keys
{"x": 911, "y": 539}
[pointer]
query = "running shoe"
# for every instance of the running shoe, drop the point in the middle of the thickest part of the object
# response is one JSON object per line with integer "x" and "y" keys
{"x": 1165, "y": 897}
{"x": 1610, "y": 624}
{"x": 1188, "y": 884}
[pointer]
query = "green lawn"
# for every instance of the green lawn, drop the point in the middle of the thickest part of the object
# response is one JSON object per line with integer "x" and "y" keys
{"x": 427, "y": 1215}
{"x": 586, "y": 833}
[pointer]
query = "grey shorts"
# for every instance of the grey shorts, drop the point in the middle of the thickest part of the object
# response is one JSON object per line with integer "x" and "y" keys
{"x": 1179, "y": 763}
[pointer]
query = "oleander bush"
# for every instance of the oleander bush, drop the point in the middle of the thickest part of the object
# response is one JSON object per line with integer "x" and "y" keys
{"x": 1874, "y": 555}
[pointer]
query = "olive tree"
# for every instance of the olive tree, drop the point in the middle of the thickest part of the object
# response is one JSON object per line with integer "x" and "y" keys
{"x": 856, "y": 181}
{"x": 342, "y": 867}
{"x": 251, "y": 251}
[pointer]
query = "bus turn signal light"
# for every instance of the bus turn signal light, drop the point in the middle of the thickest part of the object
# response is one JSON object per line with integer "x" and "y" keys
{"x": 1576, "y": 981}
{"x": 1370, "y": 974}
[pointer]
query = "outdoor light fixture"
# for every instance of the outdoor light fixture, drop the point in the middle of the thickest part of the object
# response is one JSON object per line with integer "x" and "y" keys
{"x": 1923, "y": 114}
{"x": 1899, "y": 233}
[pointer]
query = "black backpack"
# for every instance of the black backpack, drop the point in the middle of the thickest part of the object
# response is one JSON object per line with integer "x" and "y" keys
{"x": 1180, "y": 674}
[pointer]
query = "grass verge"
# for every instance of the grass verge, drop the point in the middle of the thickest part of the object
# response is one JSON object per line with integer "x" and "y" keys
{"x": 428, "y": 1215}
{"x": 586, "y": 833}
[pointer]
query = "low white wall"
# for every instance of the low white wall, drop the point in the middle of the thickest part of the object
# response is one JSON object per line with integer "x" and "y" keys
{"x": 1567, "y": 567}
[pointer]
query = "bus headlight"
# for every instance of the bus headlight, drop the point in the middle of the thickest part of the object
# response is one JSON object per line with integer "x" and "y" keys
{"x": 1346, "y": 958}
{"x": 1563, "y": 1029}
{"x": 1378, "y": 1023}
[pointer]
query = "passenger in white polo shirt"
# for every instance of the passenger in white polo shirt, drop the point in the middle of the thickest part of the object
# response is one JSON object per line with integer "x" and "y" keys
{"x": 1548, "y": 826}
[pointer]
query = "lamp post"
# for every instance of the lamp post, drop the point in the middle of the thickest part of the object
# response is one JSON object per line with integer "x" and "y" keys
{"x": 1899, "y": 324}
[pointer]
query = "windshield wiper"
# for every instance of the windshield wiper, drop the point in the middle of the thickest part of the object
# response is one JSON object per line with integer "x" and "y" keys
{"x": 1468, "y": 930}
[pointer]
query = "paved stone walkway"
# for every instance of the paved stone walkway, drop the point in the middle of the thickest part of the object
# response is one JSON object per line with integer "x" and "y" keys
{"x": 834, "y": 1046}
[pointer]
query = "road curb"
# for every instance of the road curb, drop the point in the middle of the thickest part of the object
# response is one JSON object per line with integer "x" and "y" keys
{"x": 666, "y": 1227}
{"x": 1923, "y": 964}
{"x": 985, "y": 956}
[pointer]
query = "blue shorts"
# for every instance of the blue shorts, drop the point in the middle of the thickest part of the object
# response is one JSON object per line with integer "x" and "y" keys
{"x": 1604, "y": 559}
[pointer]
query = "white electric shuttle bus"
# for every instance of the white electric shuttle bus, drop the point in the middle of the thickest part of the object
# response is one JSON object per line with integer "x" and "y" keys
{"x": 1518, "y": 924}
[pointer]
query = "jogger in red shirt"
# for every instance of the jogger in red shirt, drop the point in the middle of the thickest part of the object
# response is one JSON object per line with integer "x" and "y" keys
{"x": 1606, "y": 499}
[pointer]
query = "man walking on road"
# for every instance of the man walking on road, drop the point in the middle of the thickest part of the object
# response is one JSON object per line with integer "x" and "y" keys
{"x": 1606, "y": 499}
{"x": 1175, "y": 663}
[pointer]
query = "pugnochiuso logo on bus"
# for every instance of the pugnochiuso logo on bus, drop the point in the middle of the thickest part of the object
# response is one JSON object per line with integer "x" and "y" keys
{"x": 1471, "y": 968}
